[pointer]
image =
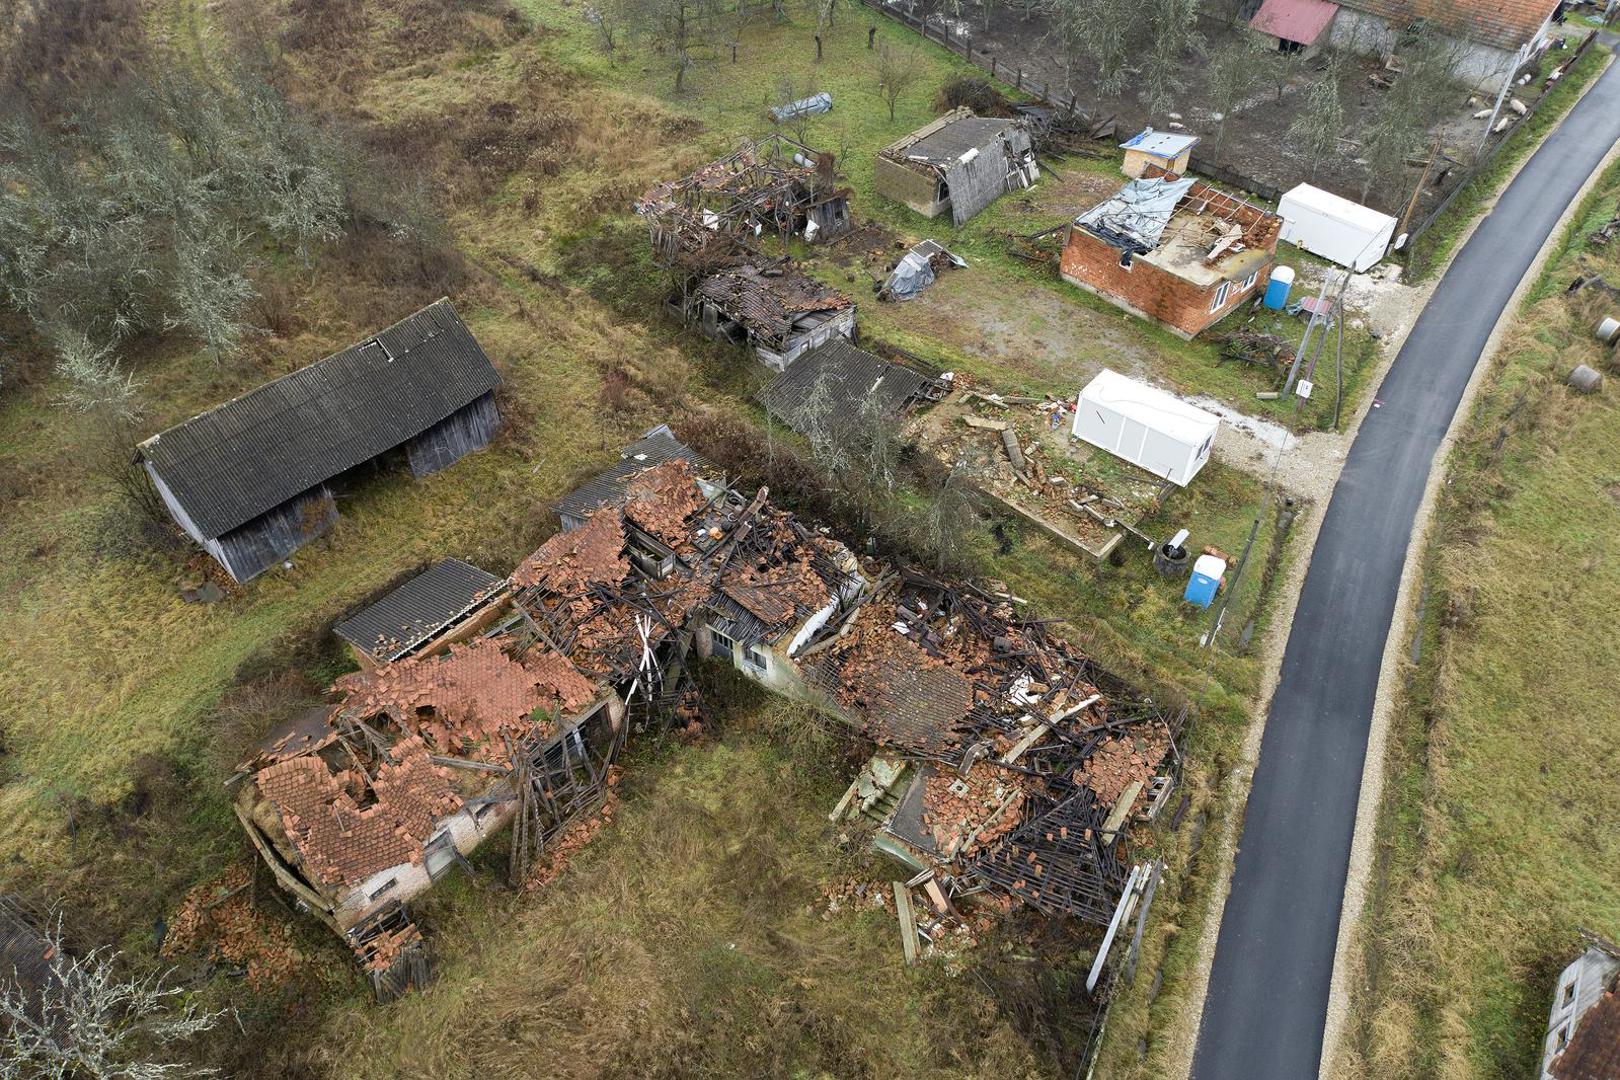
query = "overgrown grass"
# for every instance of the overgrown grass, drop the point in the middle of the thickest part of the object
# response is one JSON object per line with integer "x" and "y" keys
{"x": 1428, "y": 254}
{"x": 1491, "y": 853}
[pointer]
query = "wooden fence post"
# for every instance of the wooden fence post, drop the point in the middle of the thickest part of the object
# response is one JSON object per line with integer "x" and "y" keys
{"x": 1020, "y": 78}
{"x": 992, "y": 67}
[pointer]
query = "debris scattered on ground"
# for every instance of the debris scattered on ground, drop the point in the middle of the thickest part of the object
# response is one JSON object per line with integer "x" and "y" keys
{"x": 220, "y": 914}
{"x": 554, "y": 858}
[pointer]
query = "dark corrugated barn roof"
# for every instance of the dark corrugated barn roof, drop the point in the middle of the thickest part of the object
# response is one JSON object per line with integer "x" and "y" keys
{"x": 413, "y": 612}
{"x": 849, "y": 377}
{"x": 253, "y": 453}
{"x": 653, "y": 448}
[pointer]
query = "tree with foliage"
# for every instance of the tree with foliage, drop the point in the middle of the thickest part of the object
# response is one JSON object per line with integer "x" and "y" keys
{"x": 1176, "y": 43}
{"x": 92, "y": 1020}
{"x": 898, "y": 69}
{"x": 1116, "y": 29}
{"x": 1069, "y": 35}
{"x": 1316, "y": 126}
{"x": 1235, "y": 71}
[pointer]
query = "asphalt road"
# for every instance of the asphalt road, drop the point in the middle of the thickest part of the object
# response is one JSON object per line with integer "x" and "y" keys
{"x": 1268, "y": 991}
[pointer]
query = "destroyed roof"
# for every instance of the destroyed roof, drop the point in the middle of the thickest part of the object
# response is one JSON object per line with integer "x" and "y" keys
{"x": 472, "y": 701}
{"x": 653, "y": 448}
{"x": 901, "y": 696}
{"x": 769, "y": 302}
{"x": 1593, "y": 1052}
{"x": 1294, "y": 20}
{"x": 418, "y": 609}
{"x": 855, "y": 385}
{"x": 1504, "y": 24}
{"x": 574, "y": 559}
{"x": 251, "y": 454}
{"x": 1163, "y": 144}
{"x": 943, "y": 141}
{"x": 343, "y": 843}
{"x": 1136, "y": 215}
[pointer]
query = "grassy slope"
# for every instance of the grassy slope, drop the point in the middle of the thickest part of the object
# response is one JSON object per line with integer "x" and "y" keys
{"x": 1495, "y": 844}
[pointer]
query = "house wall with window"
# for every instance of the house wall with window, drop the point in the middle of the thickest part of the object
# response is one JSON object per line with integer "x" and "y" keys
{"x": 1152, "y": 292}
{"x": 1579, "y": 987}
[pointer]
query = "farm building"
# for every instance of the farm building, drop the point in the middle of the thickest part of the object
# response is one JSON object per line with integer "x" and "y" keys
{"x": 778, "y": 312}
{"x": 837, "y": 386}
{"x": 959, "y": 162}
{"x": 447, "y": 602}
{"x": 1173, "y": 250}
{"x": 1294, "y": 26}
{"x": 1166, "y": 150}
{"x": 249, "y": 480}
{"x": 1583, "y": 1030}
{"x": 1490, "y": 39}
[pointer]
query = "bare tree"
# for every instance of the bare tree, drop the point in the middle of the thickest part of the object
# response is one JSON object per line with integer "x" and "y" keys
{"x": 949, "y": 517}
{"x": 95, "y": 380}
{"x": 676, "y": 27}
{"x": 90, "y": 1020}
{"x": 1320, "y": 120}
{"x": 898, "y": 69}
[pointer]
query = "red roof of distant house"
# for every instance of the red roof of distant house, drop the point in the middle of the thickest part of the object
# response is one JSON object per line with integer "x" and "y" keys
{"x": 1505, "y": 24}
{"x": 1294, "y": 20}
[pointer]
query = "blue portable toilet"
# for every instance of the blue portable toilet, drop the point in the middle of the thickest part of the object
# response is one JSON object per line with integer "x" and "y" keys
{"x": 1278, "y": 286}
{"x": 1205, "y": 581}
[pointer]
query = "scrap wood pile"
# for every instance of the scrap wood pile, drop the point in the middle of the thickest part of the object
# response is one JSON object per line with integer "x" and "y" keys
{"x": 220, "y": 914}
{"x": 712, "y": 215}
{"x": 1019, "y": 450}
{"x": 1254, "y": 347}
{"x": 556, "y": 855}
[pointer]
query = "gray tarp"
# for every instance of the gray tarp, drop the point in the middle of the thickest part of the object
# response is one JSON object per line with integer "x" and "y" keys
{"x": 1137, "y": 214}
{"x": 915, "y": 272}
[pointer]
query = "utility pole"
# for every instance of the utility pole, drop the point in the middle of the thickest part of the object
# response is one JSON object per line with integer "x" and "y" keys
{"x": 1411, "y": 205}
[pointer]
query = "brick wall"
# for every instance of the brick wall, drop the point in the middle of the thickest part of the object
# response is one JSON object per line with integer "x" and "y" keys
{"x": 1147, "y": 290}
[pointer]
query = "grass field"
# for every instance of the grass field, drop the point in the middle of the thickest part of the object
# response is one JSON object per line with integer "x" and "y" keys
{"x": 131, "y": 706}
{"x": 1494, "y": 843}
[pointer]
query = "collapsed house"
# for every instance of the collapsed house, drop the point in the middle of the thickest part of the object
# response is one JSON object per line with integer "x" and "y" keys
{"x": 1171, "y": 249}
{"x": 838, "y": 387}
{"x": 360, "y": 805}
{"x": 250, "y": 480}
{"x": 1583, "y": 1030}
{"x": 959, "y": 162}
{"x": 1005, "y": 761}
{"x": 773, "y": 309}
{"x": 773, "y": 184}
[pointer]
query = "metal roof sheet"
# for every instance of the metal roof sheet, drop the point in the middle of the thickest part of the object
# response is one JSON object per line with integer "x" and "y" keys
{"x": 1294, "y": 20}
{"x": 249, "y": 455}
{"x": 1164, "y": 144}
{"x": 849, "y": 378}
{"x": 412, "y": 613}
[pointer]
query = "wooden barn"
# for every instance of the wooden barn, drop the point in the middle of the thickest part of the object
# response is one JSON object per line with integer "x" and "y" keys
{"x": 249, "y": 479}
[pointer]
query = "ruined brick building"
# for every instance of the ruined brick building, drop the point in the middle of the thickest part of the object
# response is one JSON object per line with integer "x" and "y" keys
{"x": 1171, "y": 249}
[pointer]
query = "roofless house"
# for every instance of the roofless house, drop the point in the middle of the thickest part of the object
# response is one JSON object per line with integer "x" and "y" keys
{"x": 248, "y": 480}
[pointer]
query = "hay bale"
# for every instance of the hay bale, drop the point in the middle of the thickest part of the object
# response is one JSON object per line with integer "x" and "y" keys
{"x": 1585, "y": 380}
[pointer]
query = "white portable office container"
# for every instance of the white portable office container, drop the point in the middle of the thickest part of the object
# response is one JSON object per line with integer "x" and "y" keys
{"x": 1335, "y": 228}
{"x": 1146, "y": 426}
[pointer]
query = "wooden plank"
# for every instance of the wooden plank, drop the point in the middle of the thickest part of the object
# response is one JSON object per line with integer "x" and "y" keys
{"x": 843, "y": 804}
{"x": 908, "y": 921}
{"x": 937, "y": 896}
{"x": 1025, "y": 743}
{"x": 1116, "y": 819}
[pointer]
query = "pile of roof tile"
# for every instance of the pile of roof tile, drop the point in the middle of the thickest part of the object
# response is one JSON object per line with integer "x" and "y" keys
{"x": 966, "y": 813}
{"x": 221, "y": 914}
{"x": 562, "y": 848}
{"x": 1118, "y": 761}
